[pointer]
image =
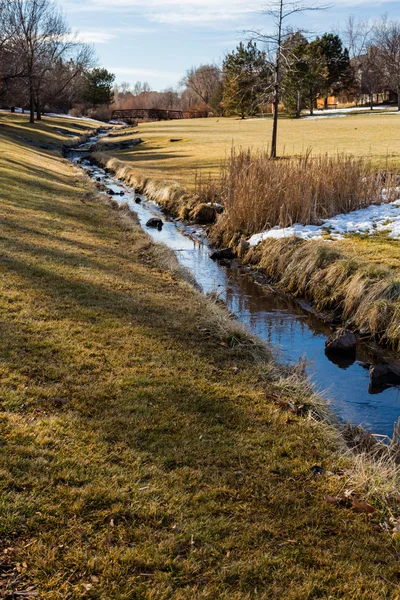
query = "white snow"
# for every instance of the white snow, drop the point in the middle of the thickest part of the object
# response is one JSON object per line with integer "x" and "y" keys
{"x": 318, "y": 116}
{"x": 374, "y": 218}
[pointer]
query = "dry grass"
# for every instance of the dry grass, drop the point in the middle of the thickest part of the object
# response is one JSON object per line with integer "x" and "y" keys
{"x": 145, "y": 454}
{"x": 258, "y": 193}
{"x": 325, "y": 274}
{"x": 51, "y": 131}
{"x": 171, "y": 196}
{"x": 205, "y": 143}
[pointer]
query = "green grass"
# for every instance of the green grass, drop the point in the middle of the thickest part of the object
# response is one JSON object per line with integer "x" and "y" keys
{"x": 140, "y": 457}
{"x": 204, "y": 143}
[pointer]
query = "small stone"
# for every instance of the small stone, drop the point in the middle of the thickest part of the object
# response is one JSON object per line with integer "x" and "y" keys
{"x": 342, "y": 341}
{"x": 155, "y": 223}
{"x": 384, "y": 375}
{"x": 225, "y": 253}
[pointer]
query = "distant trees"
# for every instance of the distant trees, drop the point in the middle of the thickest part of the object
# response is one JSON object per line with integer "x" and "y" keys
{"x": 387, "y": 39}
{"x": 205, "y": 84}
{"x": 42, "y": 63}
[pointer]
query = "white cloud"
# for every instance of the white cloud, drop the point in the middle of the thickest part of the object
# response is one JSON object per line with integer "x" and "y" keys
{"x": 96, "y": 37}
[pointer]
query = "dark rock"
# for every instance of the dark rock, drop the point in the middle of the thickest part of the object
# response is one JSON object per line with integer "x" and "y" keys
{"x": 384, "y": 375}
{"x": 155, "y": 223}
{"x": 203, "y": 214}
{"x": 317, "y": 470}
{"x": 225, "y": 263}
{"x": 225, "y": 253}
{"x": 138, "y": 200}
{"x": 111, "y": 192}
{"x": 337, "y": 316}
{"x": 342, "y": 341}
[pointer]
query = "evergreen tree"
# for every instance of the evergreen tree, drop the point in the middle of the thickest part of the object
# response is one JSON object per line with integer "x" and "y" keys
{"x": 99, "y": 88}
{"x": 340, "y": 74}
{"x": 246, "y": 75}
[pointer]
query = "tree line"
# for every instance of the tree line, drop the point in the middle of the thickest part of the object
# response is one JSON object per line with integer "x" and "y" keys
{"x": 358, "y": 64}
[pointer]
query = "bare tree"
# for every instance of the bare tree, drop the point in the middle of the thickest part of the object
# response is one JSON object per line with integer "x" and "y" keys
{"x": 279, "y": 12}
{"x": 388, "y": 42}
{"x": 206, "y": 83}
{"x": 41, "y": 37}
{"x": 359, "y": 36}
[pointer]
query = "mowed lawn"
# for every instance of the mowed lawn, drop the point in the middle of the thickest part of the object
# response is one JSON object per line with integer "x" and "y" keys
{"x": 180, "y": 150}
{"x": 143, "y": 454}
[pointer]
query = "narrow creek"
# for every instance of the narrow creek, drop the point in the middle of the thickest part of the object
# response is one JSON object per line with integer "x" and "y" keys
{"x": 293, "y": 331}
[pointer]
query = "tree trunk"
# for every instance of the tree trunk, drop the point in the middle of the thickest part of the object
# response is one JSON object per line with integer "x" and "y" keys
{"x": 298, "y": 105}
{"x": 31, "y": 103}
{"x": 38, "y": 111}
{"x": 398, "y": 98}
{"x": 311, "y": 105}
{"x": 371, "y": 101}
{"x": 277, "y": 84}
{"x": 326, "y": 103}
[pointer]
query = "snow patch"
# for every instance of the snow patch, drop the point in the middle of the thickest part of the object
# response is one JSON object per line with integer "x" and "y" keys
{"x": 370, "y": 220}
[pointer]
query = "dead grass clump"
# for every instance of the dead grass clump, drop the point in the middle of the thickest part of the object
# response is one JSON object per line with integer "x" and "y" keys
{"x": 173, "y": 198}
{"x": 258, "y": 193}
{"x": 322, "y": 272}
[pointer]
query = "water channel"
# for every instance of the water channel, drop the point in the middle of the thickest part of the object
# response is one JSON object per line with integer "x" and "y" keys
{"x": 291, "y": 329}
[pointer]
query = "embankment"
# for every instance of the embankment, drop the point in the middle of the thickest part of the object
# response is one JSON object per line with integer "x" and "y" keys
{"x": 149, "y": 448}
{"x": 334, "y": 276}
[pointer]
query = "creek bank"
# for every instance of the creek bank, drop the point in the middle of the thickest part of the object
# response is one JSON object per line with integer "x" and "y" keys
{"x": 346, "y": 292}
{"x": 271, "y": 314}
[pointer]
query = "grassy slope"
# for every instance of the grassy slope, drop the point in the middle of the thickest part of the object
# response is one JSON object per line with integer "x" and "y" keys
{"x": 135, "y": 463}
{"x": 52, "y": 130}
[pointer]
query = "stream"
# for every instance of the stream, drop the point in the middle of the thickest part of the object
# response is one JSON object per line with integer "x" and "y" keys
{"x": 290, "y": 328}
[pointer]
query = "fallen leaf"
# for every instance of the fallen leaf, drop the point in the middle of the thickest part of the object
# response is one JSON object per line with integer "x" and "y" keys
{"x": 223, "y": 344}
{"x": 333, "y": 499}
{"x": 361, "y": 506}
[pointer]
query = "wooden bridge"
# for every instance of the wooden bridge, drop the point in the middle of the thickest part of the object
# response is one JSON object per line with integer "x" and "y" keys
{"x": 156, "y": 114}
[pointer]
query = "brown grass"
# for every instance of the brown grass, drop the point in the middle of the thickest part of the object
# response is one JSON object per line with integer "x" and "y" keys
{"x": 145, "y": 452}
{"x": 323, "y": 272}
{"x": 258, "y": 193}
{"x": 177, "y": 201}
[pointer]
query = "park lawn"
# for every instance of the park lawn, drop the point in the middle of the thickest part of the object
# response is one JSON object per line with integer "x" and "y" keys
{"x": 203, "y": 144}
{"x": 50, "y": 130}
{"x": 143, "y": 455}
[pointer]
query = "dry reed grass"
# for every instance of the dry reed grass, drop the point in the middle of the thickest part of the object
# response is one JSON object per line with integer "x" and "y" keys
{"x": 258, "y": 193}
{"x": 171, "y": 196}
{"x": 369, "y": 295}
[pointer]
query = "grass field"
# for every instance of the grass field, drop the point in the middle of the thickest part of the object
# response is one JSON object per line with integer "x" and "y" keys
{"x": 143, "y": 454}
{"x": 51, "y": 130}
{"x": 204, "y": 143}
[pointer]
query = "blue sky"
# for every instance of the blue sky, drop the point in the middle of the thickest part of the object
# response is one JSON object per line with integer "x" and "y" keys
{"x": 158, "y": 40}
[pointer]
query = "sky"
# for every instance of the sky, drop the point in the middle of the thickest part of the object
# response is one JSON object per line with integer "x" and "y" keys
{"x": 158, "y": 40}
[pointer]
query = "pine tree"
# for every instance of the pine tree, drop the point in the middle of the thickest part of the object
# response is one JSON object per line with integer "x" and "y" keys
{"x": 246, "y": 75}
{"x": 99, "y": 87}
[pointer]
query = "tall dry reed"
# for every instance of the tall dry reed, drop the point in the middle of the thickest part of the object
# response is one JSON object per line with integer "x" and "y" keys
{"x": 259, "y": 193}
